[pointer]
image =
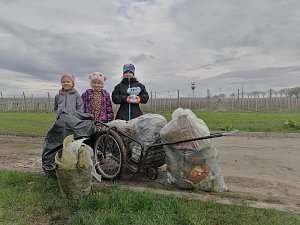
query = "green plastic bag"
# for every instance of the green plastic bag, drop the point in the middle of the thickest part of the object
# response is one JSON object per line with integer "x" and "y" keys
{"x": 74, "y": 168}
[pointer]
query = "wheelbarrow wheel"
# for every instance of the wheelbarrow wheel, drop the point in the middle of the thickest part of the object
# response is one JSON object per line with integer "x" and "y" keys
{"x": 110, "y": 155}
{"x": 152, "y": 173}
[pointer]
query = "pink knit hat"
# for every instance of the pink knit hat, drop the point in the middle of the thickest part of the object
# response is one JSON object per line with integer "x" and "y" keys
{"x": 71, "y": 76}
{"x": 97, "y": 76}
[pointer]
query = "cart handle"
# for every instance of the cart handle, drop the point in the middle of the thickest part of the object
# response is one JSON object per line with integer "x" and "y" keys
{"x": 213, "y": 135}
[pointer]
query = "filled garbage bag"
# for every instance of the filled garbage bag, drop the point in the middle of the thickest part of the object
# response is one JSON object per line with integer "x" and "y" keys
{"x": 145, "y": 129}
{"x": 123, "y": 126}
{"x": 191, "y": 164}
{"x": 74, "y": 168}
{"x": 70, "y": 122}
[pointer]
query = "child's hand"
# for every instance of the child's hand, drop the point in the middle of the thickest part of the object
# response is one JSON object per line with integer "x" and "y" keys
{"x": 133, "y": 99}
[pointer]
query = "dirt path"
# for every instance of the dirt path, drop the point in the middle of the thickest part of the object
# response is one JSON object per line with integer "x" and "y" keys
{"x": 261, "y": 172}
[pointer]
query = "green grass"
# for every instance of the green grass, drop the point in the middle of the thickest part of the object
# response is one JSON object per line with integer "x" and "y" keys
{"x": 33, "y": 199}
{"x": 250, "y": 122}
{"x": 37, "y": 124}
{"x": 26, "y": 124}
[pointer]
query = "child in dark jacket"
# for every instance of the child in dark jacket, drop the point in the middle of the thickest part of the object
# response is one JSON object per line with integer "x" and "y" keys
{"x": 97, "y": 100}
{"x": 129, "y": 94}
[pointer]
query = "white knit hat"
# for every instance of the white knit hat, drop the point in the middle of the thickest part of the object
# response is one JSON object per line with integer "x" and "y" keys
{"x": 97, "y": 76}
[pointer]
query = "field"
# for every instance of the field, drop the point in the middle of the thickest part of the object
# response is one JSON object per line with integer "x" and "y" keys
{"x": 37, "y": 124}
{"x": 261, "y": 170}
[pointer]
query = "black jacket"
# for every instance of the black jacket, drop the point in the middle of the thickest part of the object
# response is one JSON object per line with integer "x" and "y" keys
{"x": 119, "y": 96}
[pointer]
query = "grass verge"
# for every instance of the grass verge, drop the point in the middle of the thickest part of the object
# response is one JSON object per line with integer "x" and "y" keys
{"x": 33, "y": 199}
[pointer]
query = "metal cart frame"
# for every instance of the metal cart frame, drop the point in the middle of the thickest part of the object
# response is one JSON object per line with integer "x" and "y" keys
{"x": 115, "y": 151}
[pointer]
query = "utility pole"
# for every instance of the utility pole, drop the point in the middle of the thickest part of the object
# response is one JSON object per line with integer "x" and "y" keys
{"x": 243, "y": 94}
{"x": 242, "y": 89}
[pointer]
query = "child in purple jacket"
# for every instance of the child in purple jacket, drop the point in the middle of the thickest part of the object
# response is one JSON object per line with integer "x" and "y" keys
{"x": 97, "y": 100}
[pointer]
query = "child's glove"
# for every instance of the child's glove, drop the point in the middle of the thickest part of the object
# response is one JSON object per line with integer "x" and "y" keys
{"x": 134, "y": 91}
{"x": 133, "y": 99}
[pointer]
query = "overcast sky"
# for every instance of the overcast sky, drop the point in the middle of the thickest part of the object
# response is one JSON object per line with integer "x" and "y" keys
{"x": 218, "y": 44}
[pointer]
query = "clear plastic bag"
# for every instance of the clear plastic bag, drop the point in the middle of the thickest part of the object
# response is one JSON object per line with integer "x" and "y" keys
{"x": 191, "y": 164}
{"x": 144, "y": 129}
{"x": 147, "y": 127}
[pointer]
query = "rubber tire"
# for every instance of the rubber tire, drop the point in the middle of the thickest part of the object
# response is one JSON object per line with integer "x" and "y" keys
{"x": 123, "y": 152}
{"x": 152, "y": 173}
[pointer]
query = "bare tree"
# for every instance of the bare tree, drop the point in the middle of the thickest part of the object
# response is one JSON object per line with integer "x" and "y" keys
{"x": 294, "y": 91}
{"x": 283, "y": 91}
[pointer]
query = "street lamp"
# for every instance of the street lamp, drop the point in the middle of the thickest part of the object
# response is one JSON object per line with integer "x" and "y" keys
{"x": 193, "y": 86}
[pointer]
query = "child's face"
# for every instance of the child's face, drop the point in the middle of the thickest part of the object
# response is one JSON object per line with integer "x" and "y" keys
{"x": 97, "y": 85}
{"x": 66, "y": 83}
{"x": 128, "y": 74}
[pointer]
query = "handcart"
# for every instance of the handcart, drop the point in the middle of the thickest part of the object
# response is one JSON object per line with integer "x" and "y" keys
{"x": 115, "y": 151}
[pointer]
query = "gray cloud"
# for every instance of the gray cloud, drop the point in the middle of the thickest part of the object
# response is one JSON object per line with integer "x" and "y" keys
{"x": 254, "y": 80}
{"x": 142, "y": 57}
{"x": 217, "y": 44}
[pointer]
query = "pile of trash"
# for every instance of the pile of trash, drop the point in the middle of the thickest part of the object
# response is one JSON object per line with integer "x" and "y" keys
{"x": 194, "y": 163}
{"x": 189, "y": 164}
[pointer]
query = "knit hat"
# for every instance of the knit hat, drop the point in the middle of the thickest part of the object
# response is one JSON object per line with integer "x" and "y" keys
{"x": 129, "y": 67}
{"x": 71, "y": 76}
{"x": 97, "y": 76}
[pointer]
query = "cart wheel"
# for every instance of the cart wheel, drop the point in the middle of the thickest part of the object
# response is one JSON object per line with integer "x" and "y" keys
{"x": 110, "y": 154}
{"x": 152, "y": 173}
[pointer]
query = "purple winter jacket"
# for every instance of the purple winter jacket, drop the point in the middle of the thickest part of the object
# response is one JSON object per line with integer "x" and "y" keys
{"x": 106, "y": 111}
